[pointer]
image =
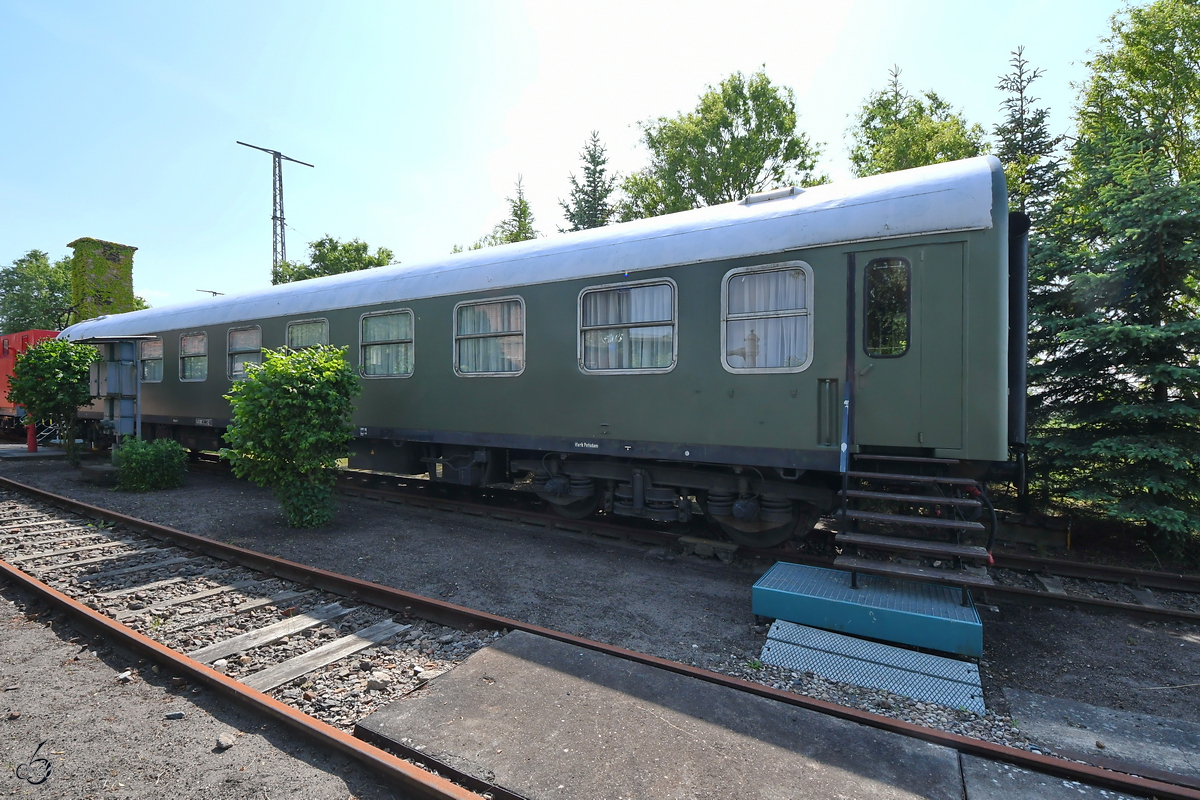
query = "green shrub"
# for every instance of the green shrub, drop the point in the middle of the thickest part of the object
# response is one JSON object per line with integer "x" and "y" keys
{"x": 291, "y": 425}
{"x": 143, "y": 466}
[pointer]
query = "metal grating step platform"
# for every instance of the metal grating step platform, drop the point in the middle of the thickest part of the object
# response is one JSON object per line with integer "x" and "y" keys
{"x": 888, "y": 609}
{"x": 920, "y": 676}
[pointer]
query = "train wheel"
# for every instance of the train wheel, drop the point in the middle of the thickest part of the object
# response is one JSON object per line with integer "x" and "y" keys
{"x": 761, "y": 534}
{"x": 579, "y": 509}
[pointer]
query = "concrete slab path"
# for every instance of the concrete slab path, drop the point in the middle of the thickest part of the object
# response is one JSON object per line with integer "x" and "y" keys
{"x": 1169, "y": 745}
{"x": 550, "y": 720}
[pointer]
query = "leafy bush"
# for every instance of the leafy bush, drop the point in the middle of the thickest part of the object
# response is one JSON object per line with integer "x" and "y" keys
{"x": 291, "y": 425}
{"x": 143, "y": 466}
{"x": 50, "y": 380}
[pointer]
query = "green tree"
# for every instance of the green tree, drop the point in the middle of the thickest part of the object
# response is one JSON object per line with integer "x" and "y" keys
{"x": 1032, "y": 167}
{"x": 740, "y": 139}
{"x": 1147, "y": 74}
{"x": 589, "y": 205}
{"x": 328, "y": 256}
{"x": 50, "y": 380}
{"x": 1117, "y": 404}
{"x": 895, "y": 130}
{"x": 291, "y": 425}
{"x": 516, "y": 227}
{"x": 35, "y": 293}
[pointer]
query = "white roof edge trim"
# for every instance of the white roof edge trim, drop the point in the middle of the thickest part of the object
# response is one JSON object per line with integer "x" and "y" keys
{"x": 942, "y": 198}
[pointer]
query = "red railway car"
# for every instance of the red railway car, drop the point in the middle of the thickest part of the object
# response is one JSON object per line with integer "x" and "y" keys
{"x": 12, "y": 344}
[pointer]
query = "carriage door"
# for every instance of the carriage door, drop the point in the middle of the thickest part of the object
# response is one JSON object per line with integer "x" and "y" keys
{"x": 908, "y": 358}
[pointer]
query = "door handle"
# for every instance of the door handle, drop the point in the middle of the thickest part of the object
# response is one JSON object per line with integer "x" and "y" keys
{"x": 862, "y": 373}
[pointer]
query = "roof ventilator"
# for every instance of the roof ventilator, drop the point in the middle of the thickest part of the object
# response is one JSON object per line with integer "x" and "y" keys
{"x": 774, "y": 194}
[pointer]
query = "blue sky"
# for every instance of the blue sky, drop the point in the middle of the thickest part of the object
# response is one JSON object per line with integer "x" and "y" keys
{"x": 120, "y": 118}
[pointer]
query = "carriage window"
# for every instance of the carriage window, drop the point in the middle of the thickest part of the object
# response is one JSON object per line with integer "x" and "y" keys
{"x": 489, "y": 338}
{"x": 888, "y": 290}
{"x": 150, "y": 353}
{"x": 387, "y": 345}
{"x": 766, "y": 325}
{"x": 626, "y": 328}
{"x": 193, "y": 357}
{"x": 309, "y": 333}
{"x": 245, "y": 347}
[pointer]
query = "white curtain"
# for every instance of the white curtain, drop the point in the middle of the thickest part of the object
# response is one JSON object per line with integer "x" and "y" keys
{"x": 195, "y": 344}
{"x": 387, "y": 359}
{"x": 193, "y": 361}
{"x": 238, "y": 362}
{"x": 151, "y": 348}
{"x": 486, "y": 352}
{"x": 755, "y": 292}
{"x": 193, "y": 368}
{"x": 245, "y": 347}
{"x": 628, "y": 344}
{"x": 766, "y": 342}
{"x": 387, "y": 327}
{"x": 244, "y": 341}
{"x": 307, "y": 334}
{"x": 775, "y": 342}
{"x": 151, "y": 353}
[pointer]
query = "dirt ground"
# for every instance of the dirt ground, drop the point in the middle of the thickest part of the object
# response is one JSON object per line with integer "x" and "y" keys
{"x": 644, "y": 598}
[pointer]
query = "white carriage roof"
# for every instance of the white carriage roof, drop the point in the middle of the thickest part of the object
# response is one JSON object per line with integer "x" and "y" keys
{"x": 955, "y": 196}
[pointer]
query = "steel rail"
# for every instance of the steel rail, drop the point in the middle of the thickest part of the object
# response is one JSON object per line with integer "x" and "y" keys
{"x": 469, "y": 619}
{"x": 359, "y": 483}
{"x": 1150, "y": 579}
{"x": 1011, "y": 593}
{"x": 420, "y": 782}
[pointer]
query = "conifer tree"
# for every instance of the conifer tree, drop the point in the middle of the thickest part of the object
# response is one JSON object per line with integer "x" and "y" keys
{"x": 895, "y": 130}
{"x": 1034, "y": 172}
{"x": 516, "y": 227}
{"x": 1118, "y": 404}
{"x": 589, "y": 206}
{"x": 1025, "y": 147}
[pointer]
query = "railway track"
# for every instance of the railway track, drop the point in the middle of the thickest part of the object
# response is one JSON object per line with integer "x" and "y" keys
{"x": 1144, "y": 594}
{"x": 265, "y": 630}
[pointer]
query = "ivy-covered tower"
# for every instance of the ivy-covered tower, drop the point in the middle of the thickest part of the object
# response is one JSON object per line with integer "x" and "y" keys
{"x": 101, "y": 278}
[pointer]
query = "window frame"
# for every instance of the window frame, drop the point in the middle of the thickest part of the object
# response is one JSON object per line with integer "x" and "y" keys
{"x": 287, "y": 333}
{"x": 163, "y": 357}
{"x": 182, "y": 357}
{"x": 229, "y": 352}
{"x": 807, "y": 313}
{"x": 908, "y": 311}
{"x": 456, "y": 337}
{"x": 412, "y": 340}
{"x": 580, "y": 329}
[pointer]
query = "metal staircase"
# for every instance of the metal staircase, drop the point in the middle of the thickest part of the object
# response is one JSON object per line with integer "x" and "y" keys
{"x": 46, "y": 434}
{"x": 920, "y": 535}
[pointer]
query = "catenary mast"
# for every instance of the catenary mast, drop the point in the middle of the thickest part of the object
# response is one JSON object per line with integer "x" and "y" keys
{"x": 278, "y": 242}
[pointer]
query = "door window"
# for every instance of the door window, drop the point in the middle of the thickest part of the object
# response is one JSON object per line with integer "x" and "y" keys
{"x": 888, "y": 318}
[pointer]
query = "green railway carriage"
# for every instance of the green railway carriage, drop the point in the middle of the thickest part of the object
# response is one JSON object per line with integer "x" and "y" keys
{"x": 696, "y": 358}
